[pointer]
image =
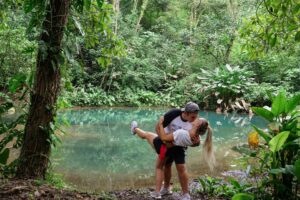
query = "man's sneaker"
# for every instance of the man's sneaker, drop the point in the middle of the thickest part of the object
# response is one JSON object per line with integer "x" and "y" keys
{"x": 134, "y": 125}
{"x": 165, "y": 191}
{"x": 155, "y": 195}
{"x": 185, "y": 196}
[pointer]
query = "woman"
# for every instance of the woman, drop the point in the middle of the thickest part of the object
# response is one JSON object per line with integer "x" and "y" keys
{"x": 179, "y": 137}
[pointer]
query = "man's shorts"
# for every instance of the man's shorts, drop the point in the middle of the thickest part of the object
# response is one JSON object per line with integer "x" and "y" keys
{"x": 175, "y": 153}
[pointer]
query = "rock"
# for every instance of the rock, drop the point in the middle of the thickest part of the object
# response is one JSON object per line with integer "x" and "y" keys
{"x": 226, "y": 154}
{"x": 37, "y": 194}
{"x": 11, "y": 111}
{"x": 42, "y": 192}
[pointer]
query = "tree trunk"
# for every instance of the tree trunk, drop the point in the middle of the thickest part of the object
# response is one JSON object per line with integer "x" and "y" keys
{"x": 36, "y": 148}
{"x": 144, "y": 6}
{"x": 116, "y": 7}
{"x": 195, "y": 16}
{"x": 135, "y": 6}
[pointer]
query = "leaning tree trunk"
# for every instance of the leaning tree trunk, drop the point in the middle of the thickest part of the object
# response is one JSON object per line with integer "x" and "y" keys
{"x": 35, "y": 151}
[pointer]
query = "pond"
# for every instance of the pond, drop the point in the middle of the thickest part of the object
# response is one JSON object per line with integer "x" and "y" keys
{"x": 99, "y": 153}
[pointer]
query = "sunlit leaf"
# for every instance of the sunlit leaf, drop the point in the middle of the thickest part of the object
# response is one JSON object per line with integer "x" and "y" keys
{"x": 228, "y": 67}
{"x": 263, "y": 113}
{"x": 278, "y": 104}
{"x": 278, "y": 141}
{"x": 292, "y": 103}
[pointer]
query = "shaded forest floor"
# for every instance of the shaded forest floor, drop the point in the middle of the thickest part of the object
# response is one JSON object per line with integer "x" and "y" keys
{"x": 30, "y": 189}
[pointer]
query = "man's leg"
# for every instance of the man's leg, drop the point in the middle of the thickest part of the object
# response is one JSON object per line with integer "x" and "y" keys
{"x": 183, "y": 177}
{"x": 167, "y": 175}
{"x": 179, "y": 158}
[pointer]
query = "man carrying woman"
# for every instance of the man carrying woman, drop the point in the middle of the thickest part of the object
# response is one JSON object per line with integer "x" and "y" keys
{"x": 176, "y": 130}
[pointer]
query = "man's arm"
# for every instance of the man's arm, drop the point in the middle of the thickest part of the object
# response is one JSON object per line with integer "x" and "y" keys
{"x": 164, "y": 137}
{"x": 157, "y": 129}
{"x": 168, "y": 118}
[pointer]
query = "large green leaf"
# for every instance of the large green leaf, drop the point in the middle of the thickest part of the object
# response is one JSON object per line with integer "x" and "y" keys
{"x": 263, "y": 134}
{"x": 243, "y": 196}
{"x": 278, "y": 141}
{"x": 278, "y": 104}
{"x": 292, "y": 103}
{"x": 297, "y": 169}
{"x": 4, "y": 156}
{"x": 268, "y": 115}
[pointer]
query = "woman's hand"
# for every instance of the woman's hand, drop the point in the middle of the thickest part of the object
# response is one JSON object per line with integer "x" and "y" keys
{"x": 195, "y": 141}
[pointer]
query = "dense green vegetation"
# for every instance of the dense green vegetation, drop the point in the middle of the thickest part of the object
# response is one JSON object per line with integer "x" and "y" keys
{"x": 225, "y": 54}
{"x": 160, "y": 53}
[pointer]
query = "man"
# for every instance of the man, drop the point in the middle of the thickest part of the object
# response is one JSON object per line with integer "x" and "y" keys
{"x": 173, "y": 120}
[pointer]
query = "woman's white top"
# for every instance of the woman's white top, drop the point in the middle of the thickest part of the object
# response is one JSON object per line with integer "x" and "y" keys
{"x": 182, "y": 138}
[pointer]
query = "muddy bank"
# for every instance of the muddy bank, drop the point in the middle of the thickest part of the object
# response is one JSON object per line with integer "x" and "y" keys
{"x": 14, "y": 189}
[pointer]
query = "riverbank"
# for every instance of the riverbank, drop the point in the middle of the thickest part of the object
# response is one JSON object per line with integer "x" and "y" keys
{"x": 14, "y": 189}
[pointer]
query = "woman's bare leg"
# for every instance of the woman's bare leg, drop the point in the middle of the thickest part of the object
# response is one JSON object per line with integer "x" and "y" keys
{"x": 149, "y": 136}
{"x": 159, "y": 173}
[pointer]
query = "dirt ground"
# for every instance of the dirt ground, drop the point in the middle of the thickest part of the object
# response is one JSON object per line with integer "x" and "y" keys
{"x": 29, "y": 189}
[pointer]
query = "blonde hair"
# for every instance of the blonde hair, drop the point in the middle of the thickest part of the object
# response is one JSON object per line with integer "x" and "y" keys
{"x": 208, "y": 151}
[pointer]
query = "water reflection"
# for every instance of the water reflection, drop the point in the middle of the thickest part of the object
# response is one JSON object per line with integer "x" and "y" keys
{"x": 99, "y": 152}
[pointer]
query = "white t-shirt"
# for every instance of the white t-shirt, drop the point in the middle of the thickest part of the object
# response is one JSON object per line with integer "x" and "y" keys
{"x": 176, "y": 124}
{"x": 182, "y": 138}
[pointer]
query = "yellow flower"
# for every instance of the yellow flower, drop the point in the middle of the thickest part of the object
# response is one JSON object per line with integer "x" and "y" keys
{"x": 253, "y": 139}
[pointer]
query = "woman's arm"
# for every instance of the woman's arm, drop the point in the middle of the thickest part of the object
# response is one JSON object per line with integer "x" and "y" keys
{"x": 163, "y": 136}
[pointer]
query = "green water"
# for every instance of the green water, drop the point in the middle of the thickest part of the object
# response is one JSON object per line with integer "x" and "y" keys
{"x": 99, "y": 153}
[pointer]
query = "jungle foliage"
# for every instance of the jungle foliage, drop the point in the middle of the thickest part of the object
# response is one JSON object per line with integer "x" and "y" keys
{"x": 226, "y": 54}
{"x": 162, "y": 52}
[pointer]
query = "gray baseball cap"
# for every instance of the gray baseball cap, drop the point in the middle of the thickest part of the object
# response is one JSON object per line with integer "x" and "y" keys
{"x": 191, "y": 107}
